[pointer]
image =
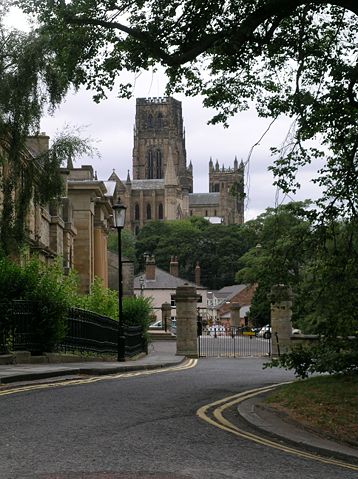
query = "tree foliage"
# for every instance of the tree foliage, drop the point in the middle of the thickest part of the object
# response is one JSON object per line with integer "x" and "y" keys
{"x": 284, "y": 241}
{"x": 318, "y": 261}
{"x": 293, "y": 57}
{"x": 29, "y": 83}
{"x": 217, "y": 248}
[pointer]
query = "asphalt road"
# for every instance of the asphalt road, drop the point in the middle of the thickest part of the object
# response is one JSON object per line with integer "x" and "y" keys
{"x": 144, "y": 427}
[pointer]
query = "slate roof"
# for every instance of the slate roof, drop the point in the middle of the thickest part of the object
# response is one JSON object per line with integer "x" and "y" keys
{"x": 163, "y": 280}
{"x": 206, "y": 199}
{"x": 147, "y": 184}
{"x": 230, "y": 291}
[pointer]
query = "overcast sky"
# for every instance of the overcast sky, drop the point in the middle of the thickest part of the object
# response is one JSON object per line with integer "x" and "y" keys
{"x": 111, "y": 122}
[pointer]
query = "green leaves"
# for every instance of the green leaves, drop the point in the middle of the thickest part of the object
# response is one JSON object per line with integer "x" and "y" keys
{"x": 217, "y": 248}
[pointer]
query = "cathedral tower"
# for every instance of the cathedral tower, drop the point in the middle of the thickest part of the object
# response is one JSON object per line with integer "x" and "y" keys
{"x": 159, "y": 128}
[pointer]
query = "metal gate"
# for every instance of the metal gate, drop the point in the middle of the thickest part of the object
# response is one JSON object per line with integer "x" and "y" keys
{"x": 231, "y": 342}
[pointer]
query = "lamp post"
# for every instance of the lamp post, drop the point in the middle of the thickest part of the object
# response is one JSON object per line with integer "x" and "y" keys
{"x": 119, "y": 216}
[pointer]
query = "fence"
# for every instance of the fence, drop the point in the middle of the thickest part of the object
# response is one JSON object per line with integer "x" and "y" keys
{"x": 230, "y": 342}
{"x": 85, "y": 331}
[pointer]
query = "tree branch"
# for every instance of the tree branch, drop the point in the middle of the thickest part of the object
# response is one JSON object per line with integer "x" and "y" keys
{"x": 239, "y": 35}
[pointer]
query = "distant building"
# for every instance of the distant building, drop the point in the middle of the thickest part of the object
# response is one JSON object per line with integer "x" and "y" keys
{"x": 159, "y": 285}
{"x": 161, "y": 187}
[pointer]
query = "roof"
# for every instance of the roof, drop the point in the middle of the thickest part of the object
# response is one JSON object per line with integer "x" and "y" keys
{"x": 163, "y": 280}
{"x": 147, "y": 184}
{"x": 208, "y": 199}
{"x": 228, "y": 292}
{"x": 232, "y": 289}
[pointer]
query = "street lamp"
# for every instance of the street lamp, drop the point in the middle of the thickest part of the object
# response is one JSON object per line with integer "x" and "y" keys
{"x": 119, "y": 216}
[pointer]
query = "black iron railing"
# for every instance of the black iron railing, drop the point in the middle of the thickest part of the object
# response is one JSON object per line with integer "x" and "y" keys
{"x": 16, "y": 320}
{"x": 85, "y": 331}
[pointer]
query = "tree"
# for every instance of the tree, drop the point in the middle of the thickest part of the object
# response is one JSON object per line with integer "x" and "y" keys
{"x": 29, "y": 83}
{"x": 293, "y": 57}
{"x": 217, "y": 248}
{"x": 319, "y": 262}
{"x": 284, "y": 245}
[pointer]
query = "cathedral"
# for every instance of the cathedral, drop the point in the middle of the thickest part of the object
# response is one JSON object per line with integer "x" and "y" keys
{"x": 161, "y": 186}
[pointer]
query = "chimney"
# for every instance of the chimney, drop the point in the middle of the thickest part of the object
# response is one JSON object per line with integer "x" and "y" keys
{"x": 197, "y": 274}
{"x": 174, "y": 266}
{"x": 150, "y": 268}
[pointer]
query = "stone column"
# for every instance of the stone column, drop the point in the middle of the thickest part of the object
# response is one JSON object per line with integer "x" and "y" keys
{"x": 281, "y": 314}
{"x": 235, "y": 314}
{"x": 186, "y": 314}
{"x": 166, "y": 321}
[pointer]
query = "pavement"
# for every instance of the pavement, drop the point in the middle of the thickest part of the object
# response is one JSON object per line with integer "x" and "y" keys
{"x": 161, "y": 354}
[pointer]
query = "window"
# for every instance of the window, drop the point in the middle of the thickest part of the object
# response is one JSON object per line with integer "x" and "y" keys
{"x": 158, "y": 164}
{"x": 136, "y": 212}
{"x": 206, "y": 212}
{"x": 149, "y": 212}
{"x": 159, "y": 122}
{"x": 172, "y": 303}
{"x": 160, "y": 211}
{"x": 150, "y": 165}
{"x": 150, "y": 121}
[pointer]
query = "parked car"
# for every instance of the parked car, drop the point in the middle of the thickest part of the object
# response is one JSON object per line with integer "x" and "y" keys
{"x": 216, "y": 330}
{"x": 296, "y": 331}
{"x": 156, "y": 325}
{"x": 265, "y": 332}
{"x": 245, "y": 331}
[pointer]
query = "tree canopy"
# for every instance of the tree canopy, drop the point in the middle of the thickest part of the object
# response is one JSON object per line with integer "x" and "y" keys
{"x": 30, "y": 82}
{"x": 293, "y": 57}
{"x": 319, "y": 262}
{"x": 217, "y": 248}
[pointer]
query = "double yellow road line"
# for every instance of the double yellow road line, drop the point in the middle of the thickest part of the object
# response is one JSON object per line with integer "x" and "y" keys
{"x": 214, "y": 414}
{"x": 187, "y": 364}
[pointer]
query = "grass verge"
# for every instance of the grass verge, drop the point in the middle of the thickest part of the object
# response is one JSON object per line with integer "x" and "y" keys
{"x": 327, "y": 405}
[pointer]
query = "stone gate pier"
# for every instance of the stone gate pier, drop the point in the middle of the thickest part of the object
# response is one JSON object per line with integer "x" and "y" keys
{"x": 186, "y": 300}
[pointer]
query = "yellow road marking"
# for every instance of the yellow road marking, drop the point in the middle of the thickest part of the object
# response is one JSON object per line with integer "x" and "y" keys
{"x": 222, "y": 423}
{"x": 188, "y": 364}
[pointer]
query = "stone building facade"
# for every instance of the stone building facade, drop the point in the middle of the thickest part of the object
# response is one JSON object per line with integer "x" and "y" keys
{"x": 74, "y": 227}
{"x": 161, "y": 187}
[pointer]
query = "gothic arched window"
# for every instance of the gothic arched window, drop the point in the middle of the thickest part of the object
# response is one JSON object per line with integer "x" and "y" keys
{"x": 159, "y": 173}
{"x": 160, "y": 211}
{"x": 150, "y": 165}
{"x": 150, "y": 121}
{"x": 136, "y": 212}
{"x": 149, "y": 212}
{"x": 159, "y": 121}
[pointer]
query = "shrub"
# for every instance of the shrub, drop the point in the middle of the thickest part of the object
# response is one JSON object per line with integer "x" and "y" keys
{"x": 100, "y": 300}
{"x": 104, "y": 301}
{"x": 47, "y": 288}
{"x": 136, "y": 310}
{"x": 331, "y": 355}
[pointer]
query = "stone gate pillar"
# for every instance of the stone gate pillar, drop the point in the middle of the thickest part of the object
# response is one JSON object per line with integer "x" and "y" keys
{"x": 166, "y": 315}
{"x": 186, "y": 315}
{"x": 235, "y": 314}
{"x": 281, "y": 314}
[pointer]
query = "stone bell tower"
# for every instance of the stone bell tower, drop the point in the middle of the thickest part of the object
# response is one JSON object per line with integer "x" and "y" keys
{"x": 159, "y": 132}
